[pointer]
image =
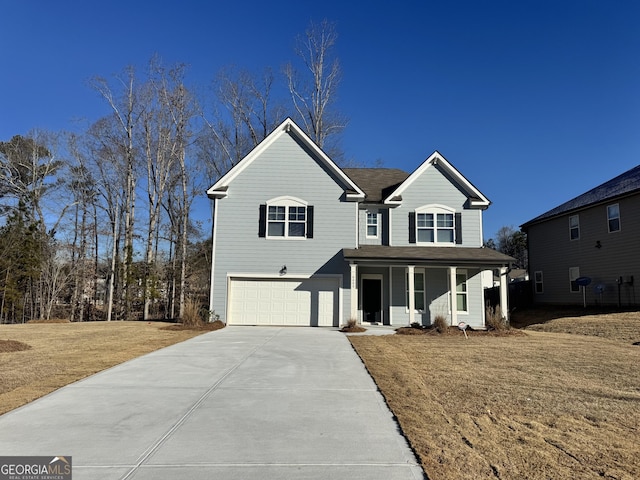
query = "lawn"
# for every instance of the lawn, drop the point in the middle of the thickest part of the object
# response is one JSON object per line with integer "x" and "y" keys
{"x": 543, "y": 405}
{"x": 38, "y": 358}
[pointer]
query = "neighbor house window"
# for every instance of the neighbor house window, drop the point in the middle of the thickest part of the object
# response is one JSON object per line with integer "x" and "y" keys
{"x": 574, "y": 273}
{"x": 613, "y": 217}
{"x": 538, "y": 281}
{"x": 286, "y": 217}
{"x": 435, "y": 225}
{"x": 418, "y": 289}
{"x": 372, "y": 225}
{"x": 574, "y": 227}
{"x": 461, "y": 292}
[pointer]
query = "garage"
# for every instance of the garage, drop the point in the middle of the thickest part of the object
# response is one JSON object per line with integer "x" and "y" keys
{"x": 278, "y": 301}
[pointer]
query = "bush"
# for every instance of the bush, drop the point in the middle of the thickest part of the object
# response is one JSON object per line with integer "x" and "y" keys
{"x": 440, "y": 324}
{"x": 193, "y": 315}
{"x": 353, "y": 327}
{"x": 494, "y": 318}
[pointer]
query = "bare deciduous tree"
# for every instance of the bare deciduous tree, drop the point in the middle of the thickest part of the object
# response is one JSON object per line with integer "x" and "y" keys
{"x": 314, "y": 92}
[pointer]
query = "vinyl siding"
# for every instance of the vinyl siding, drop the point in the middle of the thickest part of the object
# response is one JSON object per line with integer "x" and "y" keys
{"x": 435, "y": 187}
{"x": 552, "y": 252}
{"x": 383, "y": 226}
{"x": 291, "y": 171}
{"x": 437, "y": 297}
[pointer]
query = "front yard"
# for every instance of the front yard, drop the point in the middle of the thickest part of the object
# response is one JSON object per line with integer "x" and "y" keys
{"x": 537, "y": 406}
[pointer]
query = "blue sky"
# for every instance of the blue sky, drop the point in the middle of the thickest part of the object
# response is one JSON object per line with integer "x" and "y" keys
{"x": 535, "y": 102}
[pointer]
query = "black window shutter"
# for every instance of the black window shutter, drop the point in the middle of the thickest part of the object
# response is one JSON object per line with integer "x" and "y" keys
{"x": 262, "y": 221}
{"x": 412, "y": 227}
{"x": 458, "y": 220}
{"x": 310, "y": 221}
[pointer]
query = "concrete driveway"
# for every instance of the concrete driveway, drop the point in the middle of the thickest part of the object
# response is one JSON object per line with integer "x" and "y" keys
{"x": 240, "y": 403}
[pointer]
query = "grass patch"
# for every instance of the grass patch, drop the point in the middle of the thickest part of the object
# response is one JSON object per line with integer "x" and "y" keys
{"x": 534, "y": 405}
{"x": 8, "y": 346}
{"x": 62, "y": 353}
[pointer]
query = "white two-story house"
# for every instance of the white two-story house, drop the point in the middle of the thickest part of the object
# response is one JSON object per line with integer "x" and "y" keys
{"x": 299, "y": 241}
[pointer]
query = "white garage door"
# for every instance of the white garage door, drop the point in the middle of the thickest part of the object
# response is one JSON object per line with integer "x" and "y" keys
{"x": 308, "y": 302}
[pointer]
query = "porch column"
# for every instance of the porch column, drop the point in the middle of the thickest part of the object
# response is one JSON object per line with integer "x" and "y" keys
{"x": 354, "y": 291}
{"x": 454, "y": 299}
{"x": 412, "y": 295}
{"x": 504, "y": 293}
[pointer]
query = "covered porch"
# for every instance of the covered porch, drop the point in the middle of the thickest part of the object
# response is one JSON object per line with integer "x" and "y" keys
{"x": 401, "y": 286}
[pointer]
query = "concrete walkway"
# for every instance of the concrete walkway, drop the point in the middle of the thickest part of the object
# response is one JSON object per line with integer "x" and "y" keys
{"x": 240, "y": 403}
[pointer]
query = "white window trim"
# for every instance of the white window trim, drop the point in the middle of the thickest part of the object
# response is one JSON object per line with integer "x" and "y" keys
{"x": 538, "y": 282}
{"x": 612, "y": 218}
{"x": 435, "y": 209}
{"x": 423, "y": 272}
{"x": 286, "y": 201}
{"x": 464, "y": 272}
{"x": 377, "y": 224}
{"x": 577, "y": 226}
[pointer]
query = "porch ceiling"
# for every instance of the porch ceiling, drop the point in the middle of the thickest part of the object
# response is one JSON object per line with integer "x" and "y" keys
{"x": 445, "y": 256}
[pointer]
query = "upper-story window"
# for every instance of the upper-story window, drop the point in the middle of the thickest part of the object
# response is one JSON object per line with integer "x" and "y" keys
{"x": 286, "y": 217}
{"x": 574, "y": 227}
{"x": 435, "y": 224}
{"x": 372, "y": 225}
{"x": 613, "y": 217}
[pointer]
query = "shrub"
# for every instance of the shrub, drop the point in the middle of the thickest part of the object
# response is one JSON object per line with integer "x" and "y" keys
{"x": 192, "y": 313}
{"x": 494, "y": 318}
{"x": 440, "y": 324}
{"x": 353, "y": 327}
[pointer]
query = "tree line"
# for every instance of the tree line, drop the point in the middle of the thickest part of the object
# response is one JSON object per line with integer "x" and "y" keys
{"x": 98, "y": 224}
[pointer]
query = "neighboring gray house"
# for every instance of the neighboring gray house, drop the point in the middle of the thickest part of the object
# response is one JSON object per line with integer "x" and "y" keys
{"x": 596, "y": 238}
{"x": 299, "y": 241}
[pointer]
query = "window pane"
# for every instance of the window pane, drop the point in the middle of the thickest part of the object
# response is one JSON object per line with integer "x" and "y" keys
{"x": 419, "y": 299}
{"x": 276, "y": 229}
{"x": 612, "y": 211}
{"x": 296, "y": 229}
{"x": 614, "y": 225}
{"x": 418, "y": 282}
{"x": 425, "y": 220}
{"x": 425, "y": 235}
{"x": 445, "y": 236}
{"x": 276, "y": 213}
{"x": 573, "y": 221}
{"x": 297, "y": 214}
{"x": 461, "y": 301}
{"x": 445, "y": 220}
{"x": 575, "y": 234}
{"x": 461, "y": 281}
{"x": 372, "y": 231}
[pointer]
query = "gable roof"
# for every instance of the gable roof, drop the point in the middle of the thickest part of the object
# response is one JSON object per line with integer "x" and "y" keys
{"x": 476, "y": 198}
{"x": 376, "y": 183}
{"x": 624, "y": 184}
{"x": 287, "y": 127}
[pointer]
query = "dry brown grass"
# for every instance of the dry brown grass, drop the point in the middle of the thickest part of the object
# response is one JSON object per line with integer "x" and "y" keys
{"x": 62, "y": 353}
{"x": 534, "y": 406}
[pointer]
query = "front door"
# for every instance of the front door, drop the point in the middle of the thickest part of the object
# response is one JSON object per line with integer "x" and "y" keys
{"x": 372, "y": 300}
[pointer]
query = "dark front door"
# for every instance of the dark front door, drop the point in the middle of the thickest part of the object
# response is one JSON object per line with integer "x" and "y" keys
{"x": 372, "y": 300}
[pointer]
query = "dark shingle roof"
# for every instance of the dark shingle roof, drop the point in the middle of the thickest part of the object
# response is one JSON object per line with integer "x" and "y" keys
{"x": 432, "y": 255}
{"x": 377, "y": 183}
{"x": 623, "y": 184}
